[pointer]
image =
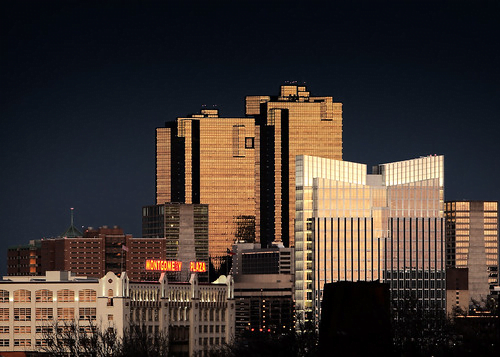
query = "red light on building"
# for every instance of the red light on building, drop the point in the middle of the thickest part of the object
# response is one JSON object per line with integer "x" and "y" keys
{"x": 163, "y": 265}
{"x": 198, "y": 267}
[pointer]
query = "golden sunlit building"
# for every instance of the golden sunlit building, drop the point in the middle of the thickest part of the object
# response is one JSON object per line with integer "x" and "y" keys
{"x": 244, "y": 168}
{"x": 472, "y": 242}
{"x": 293, "y": 123}
{"x": 214, "y": 161}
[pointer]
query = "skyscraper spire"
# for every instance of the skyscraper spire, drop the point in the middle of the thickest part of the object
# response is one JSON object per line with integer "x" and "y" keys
{"x": 72, "y": 231}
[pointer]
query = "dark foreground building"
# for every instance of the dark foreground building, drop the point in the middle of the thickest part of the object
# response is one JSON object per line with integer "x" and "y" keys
{"x": 355, "y": 319}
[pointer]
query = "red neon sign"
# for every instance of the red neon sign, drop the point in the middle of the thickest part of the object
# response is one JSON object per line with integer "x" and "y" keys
{"x": 198, "y": 267}
{"x": 163, "y": 265}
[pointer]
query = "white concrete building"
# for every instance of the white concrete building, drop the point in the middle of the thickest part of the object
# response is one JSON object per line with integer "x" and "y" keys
{"x": 195, "y": 316}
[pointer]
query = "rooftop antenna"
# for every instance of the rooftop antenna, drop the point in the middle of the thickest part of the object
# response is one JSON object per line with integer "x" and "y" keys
{"x": 72, "y": 231}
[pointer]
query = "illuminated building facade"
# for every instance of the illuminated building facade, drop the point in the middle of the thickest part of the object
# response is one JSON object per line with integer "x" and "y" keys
{"x": 293, "y": 123}
{"x": 244, "y": 168}
{"x": 194, "y": 316}
{"x": 214, "y": 161}
{"x": 387, "y": 226}
{"x": 472, "y": 243}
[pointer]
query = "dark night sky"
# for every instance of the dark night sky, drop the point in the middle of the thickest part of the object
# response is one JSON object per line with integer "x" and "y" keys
{"x": 85, "y": 84}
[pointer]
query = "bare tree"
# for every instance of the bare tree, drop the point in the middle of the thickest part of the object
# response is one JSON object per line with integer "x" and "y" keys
{"x": 138, "y": 342}
{"x": 70, "y": 338}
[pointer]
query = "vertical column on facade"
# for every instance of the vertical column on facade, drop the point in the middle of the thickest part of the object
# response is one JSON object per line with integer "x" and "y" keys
{"x": 411, "y": 262}
{"x": 392, "y": 253}
{"x": 352, "y": 249}
{"x": 324, "y": 249}
{"x": 338, "y": 248}
{"x": 359, "y": 252}
{"x": 366, "y": 253}
{"x": 429, "y": 288}
{"x": 398, "y": 270}
{"x": 332, "y": 252}
{"x": 345, "y": 248}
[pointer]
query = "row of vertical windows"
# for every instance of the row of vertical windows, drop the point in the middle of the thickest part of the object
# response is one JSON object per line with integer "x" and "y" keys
{"x": 44, "y": 295}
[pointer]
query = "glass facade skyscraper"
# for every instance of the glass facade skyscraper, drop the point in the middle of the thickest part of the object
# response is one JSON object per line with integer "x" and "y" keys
{"x": 244, "y": 168}
{"x": 293, "y": 123}
{"x": 353, "y": 226}
{"x": 212, "y": 160}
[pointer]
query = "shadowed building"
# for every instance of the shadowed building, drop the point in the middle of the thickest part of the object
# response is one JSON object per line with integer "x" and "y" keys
{"x": 24, "y": 259}
{"x": 472, "y": 243}
{"x": 263, "y": 288}
{"x": 356, "y": 319}
{"x": 184, "y": 228}
{"x": 457, "y": 290}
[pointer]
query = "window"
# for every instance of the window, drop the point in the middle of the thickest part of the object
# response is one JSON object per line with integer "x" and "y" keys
{"x": 44, "y": 313}
{"x": 22, "y": 329}
{"x": 65, "y": 313}
{"x": 43, "y": 295}
{"x": 4, "y": 329}
{"x": 41, "y": 342}
{"x": 22, "y": 295}
{"x": 4, "y": 314}
{"x": 249, "y": 143}
{"x": 4, "y": 342}
{"x": 87, "y": 295}
{"x": 43, "y": 329}
{"x": 65, "y": 295}
{"x": 22, "y": 342}
{"x": 4, "y": 296}
{"x": 22, "y": 314}
{"x": 110, "y": 317}
{"x": 87, "y": 313}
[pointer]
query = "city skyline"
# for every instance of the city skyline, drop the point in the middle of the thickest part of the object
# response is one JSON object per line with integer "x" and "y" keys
{"x": 83, "y": 91}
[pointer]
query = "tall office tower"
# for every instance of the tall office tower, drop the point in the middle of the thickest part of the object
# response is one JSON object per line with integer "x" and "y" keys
{"x": 472, "y": 242}
{"x": 351, "y": 226}
{"x": 214, "y": 161}
{"x": 293, "y": 123}
{"x": 185, "y": 229}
